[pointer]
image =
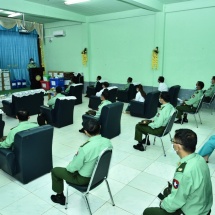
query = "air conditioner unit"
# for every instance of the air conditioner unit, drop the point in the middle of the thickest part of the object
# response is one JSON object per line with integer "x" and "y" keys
{"x": 23, "y": 31}
{"x": 59, "y": 33}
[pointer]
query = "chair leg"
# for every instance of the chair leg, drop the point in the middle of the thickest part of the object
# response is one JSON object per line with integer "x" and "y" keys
{"x": 147, "y": 137}
{"x": 111, "y": 197}
{"x": 87, "y": 203}
{"x": 195, "y": 120}
{"x": 163, "y": 148}
{"x": 67, "y": 197}
{"x": 154, "y": 140}
{"x": 200, "y": 118}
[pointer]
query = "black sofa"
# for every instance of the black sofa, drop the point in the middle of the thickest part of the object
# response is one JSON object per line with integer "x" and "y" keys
{"x": 91, "y": 90}
{"x": 173, "y": 93}
{"x": 127, "y": 95}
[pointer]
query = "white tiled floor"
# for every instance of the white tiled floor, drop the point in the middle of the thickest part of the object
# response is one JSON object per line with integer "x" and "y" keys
{"x": 135, "y": 177}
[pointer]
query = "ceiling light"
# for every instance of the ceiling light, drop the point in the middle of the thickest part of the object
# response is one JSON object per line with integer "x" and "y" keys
{"x": 1, "y": 10}
{"x": 68, "y": 2}
{"x": 15, "y": 14}
{"x": 7, "y": 12}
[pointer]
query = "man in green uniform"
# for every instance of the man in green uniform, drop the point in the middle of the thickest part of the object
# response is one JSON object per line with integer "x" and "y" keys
{"x": 191, "y": 191}
{"x": 23, "y": 117}
{"x": 105, "y": 101}
{"x": 210, "y": 91}
{"x": 129, "y": 81}
{"x": 157, "y": 126}
{"x": 31, "y": 64}
{"x": 191, "y": 104}
{"x": 81, "y": 167}
{"x": 51, "y": 101}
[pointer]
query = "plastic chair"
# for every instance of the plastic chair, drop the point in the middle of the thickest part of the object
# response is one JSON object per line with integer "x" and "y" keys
{"x": 166, "y": 131}
{"x": 100, "y": 174}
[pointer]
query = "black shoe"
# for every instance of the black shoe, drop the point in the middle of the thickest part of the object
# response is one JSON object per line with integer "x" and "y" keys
{"x": 59, "y": 198}
{"x": 139, "y": 147}
{"x": 86, "y": 96}
{"x": 185, "y": 120}
{"x": 178, "y": 121}
{"x": 81, "y": 130}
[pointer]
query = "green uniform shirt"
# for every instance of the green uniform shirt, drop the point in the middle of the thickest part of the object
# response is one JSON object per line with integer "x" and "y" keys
{"x": 7, "y": 143}
{"x": 192, "y": 190}
{"x": 126, "y": 86}
{"x": 162, "y": 116}
{"x": 195, "y": 98}
{"x": 210, "y": 91}
{"x": 51, "y": 102}
{"x": 68, "y": 88}
{"x": 85, "y": 159}
{"x": 103, "y": 103}
{"x": 31, "y": 65}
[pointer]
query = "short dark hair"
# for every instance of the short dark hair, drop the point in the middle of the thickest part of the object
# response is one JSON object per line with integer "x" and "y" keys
{"x": 31, "y": 59}
{"x": 213, "y": 77}
{"x": 99, "y": 77}
{"x": 58, "y": 89}
{"x": 92, "y": 126}
{"x": 161, "y": 79}
{"x": 105, "y": 93}
{"x": 165, "y": 96}
{"x": 22, "y": 115}
{"x": 187, "y": 138}
{"x": 130, "y": 79}
{"x": 201, "y": 84}
{"x": 106, "y": 84}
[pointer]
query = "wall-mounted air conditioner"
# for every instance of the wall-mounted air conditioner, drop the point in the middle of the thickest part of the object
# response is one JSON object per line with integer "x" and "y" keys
{"x": 60, "y": 33}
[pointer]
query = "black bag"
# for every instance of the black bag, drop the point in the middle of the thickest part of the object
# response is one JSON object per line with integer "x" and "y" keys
{"x": 91, "y": 112}
{"x": 41, "y": 120}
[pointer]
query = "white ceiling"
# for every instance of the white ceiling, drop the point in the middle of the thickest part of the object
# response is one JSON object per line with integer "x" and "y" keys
{"x": 91, "y": 8}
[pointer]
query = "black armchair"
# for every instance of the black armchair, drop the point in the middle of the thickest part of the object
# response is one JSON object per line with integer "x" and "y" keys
{"x": 30, "y": 100}
{"x": 2, "y": 124}
{"x": 110, "y": 119}
{"x": 31, "y": 156}
{"x": 173, "y": 92}
{"x": 62, "y": 114}
{"x": 146, "y": 109}
{"x": 95, "y": 101}
{"x": 75, "y": 90}
{"x": 91, "y": 90}
{"x": 127, "y": 95}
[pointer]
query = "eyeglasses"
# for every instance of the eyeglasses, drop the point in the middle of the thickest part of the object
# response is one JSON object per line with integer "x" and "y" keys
{"x": 173, "y": 142}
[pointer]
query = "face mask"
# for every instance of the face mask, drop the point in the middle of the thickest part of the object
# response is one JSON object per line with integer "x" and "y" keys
{"x": 32, "y": 61}
{"x": 160, "y": 101}
{"x": 174, "y": 149}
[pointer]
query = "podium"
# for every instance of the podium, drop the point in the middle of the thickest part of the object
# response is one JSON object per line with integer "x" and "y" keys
{"x": 35, "y": 76}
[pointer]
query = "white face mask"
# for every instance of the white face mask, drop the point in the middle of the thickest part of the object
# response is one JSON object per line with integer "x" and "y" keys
{"x": 174, "y": 149}
{"x": 32, "y": 61}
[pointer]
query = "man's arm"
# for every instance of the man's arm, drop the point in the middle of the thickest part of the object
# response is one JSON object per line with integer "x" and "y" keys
{"x": 192, "y": 100}
{"x": 7, "y": 143}
{"x": 77, "y": 162}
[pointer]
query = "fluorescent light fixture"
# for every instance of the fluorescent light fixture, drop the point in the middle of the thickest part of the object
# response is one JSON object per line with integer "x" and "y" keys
{"x": 68, "y": 2}
{"x": 15, "y": 14}
{"x": 1, "y": 10}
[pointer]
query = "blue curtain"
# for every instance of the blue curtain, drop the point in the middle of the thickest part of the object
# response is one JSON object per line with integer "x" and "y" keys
{"x": 15, "y": 51}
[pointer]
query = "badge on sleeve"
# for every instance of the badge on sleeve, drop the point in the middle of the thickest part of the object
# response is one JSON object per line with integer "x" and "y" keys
{"x": 193, "y": 96}
{"x": 175, "y": 183}
{"x": 158, "y": 114}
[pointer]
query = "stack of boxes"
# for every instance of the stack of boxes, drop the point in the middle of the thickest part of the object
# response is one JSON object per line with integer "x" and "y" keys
{"x": 5, "y": 80}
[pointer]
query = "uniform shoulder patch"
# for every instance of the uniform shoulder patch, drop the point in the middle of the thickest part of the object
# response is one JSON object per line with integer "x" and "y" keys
{"x": 193, "y": 96}
{"x": 84, "y": 144}
{"x": 181, "y": 167}
{"x": 175, "y": 183}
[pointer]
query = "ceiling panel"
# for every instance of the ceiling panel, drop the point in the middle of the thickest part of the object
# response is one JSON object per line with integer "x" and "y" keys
{"x": 172, "y": 1}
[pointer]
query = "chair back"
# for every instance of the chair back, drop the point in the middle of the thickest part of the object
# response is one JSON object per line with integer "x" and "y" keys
{"x": 33, "y": 152}
{"x": 131, "y": 92}
{"x": 173, "y": 93}
{"x": 98, "y": 86}
{"x": 101, "y": 169}
{"x": 212, "y": 99}
{"x": 110, "y": 120}
{"x": 77, "y": 92}
{"x": 200, "y": 104}
{"x": 112, "y": 94}
{"x": 170, "y": 124}
{"x": 62, "y": 114}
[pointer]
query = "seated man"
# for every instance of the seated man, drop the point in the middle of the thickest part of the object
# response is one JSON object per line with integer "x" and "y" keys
{"x": 105, "y": 85}
{"x": 157, "y": 126}
{"x": 23, "y": 117}
{"x": 191, "y": 104}
{"x": 162, "y": 86}
{"x": 210, "y": 91}
{"x": 129, "y": 81}
{"x": 81, "y": 167}
{"x": 207, "y": 148}
{"x": 51, "y": 101}
{"x": 191, "y": 191}
{"x": 96, "y": 114}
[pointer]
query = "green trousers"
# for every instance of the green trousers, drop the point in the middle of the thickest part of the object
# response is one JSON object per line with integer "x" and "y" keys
{"x": 141, "y": 129}
{"x": 159, "y": 211}
{"x": 59, "y": 174}
{"x": 184, "y": 108}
